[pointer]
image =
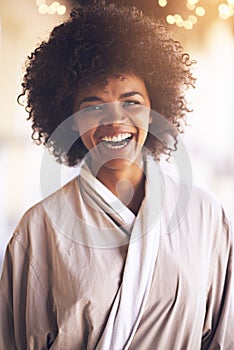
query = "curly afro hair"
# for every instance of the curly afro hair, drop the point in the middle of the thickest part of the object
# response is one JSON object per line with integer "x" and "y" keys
{"x": 96, "y": 42}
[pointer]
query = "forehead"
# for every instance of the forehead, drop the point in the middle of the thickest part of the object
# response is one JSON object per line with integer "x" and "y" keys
{"x": 113, "y": 85}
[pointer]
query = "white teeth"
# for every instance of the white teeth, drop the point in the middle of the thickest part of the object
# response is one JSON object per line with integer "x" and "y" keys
{"x": 111, "y": 146}
{"x": 118, "y": 138}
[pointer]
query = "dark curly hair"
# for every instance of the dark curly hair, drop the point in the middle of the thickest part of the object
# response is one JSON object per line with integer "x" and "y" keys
{"x": 96, "y": 42}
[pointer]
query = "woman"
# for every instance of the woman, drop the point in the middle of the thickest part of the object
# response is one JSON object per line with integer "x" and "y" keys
{"x": 122, "y": 257}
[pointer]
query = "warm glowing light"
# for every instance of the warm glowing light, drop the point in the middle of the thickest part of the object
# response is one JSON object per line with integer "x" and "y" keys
{"x": 170, "y": 19}
{"x": 178, "y": 19}
{"x": 61, "y": 10}
{"x": 192, "y": 2}
{"x": 193, "y": 19}
{"x": 191, "y": 7}
{"x": 200, "y": 11}
{"x": 231, "y": 11}
{"x": 40, "y": 2}
{"x": 225, "y": 11}
{"x": 180, "y": 24}
{"x": 162, "y": 3}
{"x": 51, "y": 10}
{"x": 54, "y": 6}
{"x": 230, "y": 2}
{"x": 43, "y": 9}
{"x": 223, "y": 7}
{"x": 188, "y": 25}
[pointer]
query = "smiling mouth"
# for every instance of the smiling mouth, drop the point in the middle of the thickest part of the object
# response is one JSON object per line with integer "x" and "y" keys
{"x": 117, "y": 141}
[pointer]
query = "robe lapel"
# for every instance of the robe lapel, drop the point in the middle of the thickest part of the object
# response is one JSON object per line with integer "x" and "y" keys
{"x": 130, "y": 301}
{"x": 100, "y": 198}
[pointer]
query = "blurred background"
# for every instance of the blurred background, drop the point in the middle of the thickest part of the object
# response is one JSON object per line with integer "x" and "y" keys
{"x": 206, "y": 30}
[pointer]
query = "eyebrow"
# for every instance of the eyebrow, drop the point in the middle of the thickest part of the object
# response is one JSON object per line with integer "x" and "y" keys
{"x": 95, "y": 98}
{"x": 90, "y": 99}
{"x": 130, "y": 94}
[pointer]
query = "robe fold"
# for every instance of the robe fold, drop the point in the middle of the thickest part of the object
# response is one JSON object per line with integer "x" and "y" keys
{"x": 81, "y": 272}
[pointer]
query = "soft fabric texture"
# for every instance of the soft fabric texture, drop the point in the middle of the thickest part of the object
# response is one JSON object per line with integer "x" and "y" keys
{"x": 78, "y": 276}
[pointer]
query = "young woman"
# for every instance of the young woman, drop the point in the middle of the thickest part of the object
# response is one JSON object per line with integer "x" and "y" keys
{"x": 122, "y": 257}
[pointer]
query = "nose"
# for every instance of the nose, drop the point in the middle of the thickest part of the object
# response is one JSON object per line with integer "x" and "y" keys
{"x": 114, "y": 114}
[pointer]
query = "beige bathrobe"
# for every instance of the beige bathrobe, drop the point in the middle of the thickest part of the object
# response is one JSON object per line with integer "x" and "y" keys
{"x": 79, "y": 275}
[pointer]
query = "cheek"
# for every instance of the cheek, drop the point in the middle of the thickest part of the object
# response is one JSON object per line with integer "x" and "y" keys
{"x": 85, "y": 126}
{"x": 87, "y": 140}
{"x": 142, "y": 122}
{"x": 85, "y": 129}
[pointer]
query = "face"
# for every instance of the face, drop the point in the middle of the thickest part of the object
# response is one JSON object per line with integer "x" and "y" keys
{"x": 113, "y": 120}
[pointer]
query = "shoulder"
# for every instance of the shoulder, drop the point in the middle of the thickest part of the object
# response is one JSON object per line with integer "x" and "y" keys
{"x": 197, "y": 196}
{"x": 186, "y": 202}
{"x": 206, "y": 204}
{"x": 196, "y": 206}
{"x": 37, "y": 220}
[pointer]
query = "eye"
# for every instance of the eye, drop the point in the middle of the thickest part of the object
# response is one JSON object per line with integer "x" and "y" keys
{"x": 93, "y": 108}
{"x": 130, "y": 103}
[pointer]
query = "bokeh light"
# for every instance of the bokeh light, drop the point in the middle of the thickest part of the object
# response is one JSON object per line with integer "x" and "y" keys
{"x": 162, "y": 3}
{"x": 52, "y": 9}
{"x": 200, "y": 11}
{"x": 225, "y": 11}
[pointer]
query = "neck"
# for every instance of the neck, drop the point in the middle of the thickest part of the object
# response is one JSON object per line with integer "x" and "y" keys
{"x": 127, "y": 183}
